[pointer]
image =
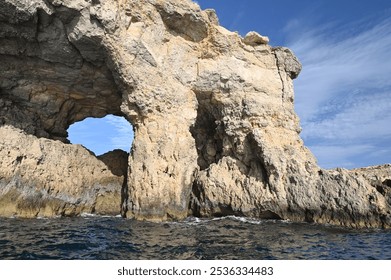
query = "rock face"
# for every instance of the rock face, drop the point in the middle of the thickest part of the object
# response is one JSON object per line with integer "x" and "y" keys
{"x": 215, "y": 128}
{"x": 41, "y": 177}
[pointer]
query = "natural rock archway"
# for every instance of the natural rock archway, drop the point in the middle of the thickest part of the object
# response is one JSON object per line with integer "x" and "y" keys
{"x": 215, "y": 128}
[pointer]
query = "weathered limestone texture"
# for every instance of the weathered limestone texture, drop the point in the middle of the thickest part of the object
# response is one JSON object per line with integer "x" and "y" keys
{"x": 215, "y": 128}
{"x": 41, "y": 177}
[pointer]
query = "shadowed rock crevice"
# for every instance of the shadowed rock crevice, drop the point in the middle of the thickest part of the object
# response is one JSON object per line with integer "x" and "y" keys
{"x": 207, "y": 132}
{"x": 238, "y": 159}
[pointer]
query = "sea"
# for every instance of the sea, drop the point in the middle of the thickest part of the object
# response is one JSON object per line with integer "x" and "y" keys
{"x": 234, "y": 238}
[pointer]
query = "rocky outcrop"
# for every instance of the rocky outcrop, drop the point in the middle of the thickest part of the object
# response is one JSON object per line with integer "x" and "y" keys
{"x": 42, "y": 177}
{"x": 215, "y": 128}
{"x": 379, "y": 177}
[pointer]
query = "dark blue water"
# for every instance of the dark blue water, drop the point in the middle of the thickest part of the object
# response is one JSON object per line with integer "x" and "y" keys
{"x": 226, "y": 238}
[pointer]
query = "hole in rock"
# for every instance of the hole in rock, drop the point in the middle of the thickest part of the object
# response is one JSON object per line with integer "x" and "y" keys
{"x": 101, "y": 135}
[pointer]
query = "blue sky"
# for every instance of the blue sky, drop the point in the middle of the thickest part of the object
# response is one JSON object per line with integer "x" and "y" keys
{"x": 342, "y": 96}
{"x": 102, "y": 135}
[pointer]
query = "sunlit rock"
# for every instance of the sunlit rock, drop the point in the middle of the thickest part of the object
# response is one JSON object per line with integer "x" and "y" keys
{"x": 215, "y": 128}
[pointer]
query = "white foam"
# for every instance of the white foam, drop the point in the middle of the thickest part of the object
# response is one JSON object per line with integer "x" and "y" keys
{"x": 88, "y": 215}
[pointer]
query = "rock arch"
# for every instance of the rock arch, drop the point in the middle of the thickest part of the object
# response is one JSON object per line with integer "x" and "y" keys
{"x": 215, "y": 128}
{"x": 61, "y": 63}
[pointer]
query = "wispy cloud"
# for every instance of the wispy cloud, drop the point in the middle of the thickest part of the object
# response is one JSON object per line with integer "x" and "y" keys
{"x": 344, "y": 156}
{"x": 124, "y": 135}
{"x": 102, "y": 135}
{"x": 352, "y": 118}
{"x": 343, "y": 95}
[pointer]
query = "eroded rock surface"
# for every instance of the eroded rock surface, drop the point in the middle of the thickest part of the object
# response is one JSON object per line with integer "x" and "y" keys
{"x": 42, "y": 177}
{"x": 215, "y": 128}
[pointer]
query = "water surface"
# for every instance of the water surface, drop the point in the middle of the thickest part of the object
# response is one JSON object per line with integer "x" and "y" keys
{"x": 224, "y": 238}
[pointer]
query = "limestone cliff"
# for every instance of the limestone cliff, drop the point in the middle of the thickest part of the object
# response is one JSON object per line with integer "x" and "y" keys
{"x": 215, "y": 128}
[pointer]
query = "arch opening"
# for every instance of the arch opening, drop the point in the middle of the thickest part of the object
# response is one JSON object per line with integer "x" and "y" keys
{"x": 110, "y": 138}
{"x": 102, "y": 135}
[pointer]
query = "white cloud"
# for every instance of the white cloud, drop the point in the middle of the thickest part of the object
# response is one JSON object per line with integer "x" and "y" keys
{"x": 102, "y": 135}
{"x": 330, "y": 154}
{"x": 343, "y": 95}
{"x": 124, "y": 132}
{"x": 357, "y": 118}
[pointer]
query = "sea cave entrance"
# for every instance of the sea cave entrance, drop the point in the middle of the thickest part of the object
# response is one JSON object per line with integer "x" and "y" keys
{"x": 101, "y": 135}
